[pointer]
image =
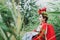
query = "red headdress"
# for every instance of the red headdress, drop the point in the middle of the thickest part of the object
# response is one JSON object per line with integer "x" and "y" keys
{"x": 40, "y": 11}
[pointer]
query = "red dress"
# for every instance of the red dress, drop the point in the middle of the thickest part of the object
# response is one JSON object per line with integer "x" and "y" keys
{"x": 50, "y": 35}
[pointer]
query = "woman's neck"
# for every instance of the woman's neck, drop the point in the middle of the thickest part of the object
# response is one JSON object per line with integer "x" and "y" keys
{"x": 42, "y": 23}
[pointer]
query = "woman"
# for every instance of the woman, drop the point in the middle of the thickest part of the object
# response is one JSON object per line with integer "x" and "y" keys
{"x": 46, "y": 31}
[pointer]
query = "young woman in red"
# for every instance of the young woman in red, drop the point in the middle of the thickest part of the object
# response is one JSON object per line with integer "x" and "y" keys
{"x": 45, "y": 30}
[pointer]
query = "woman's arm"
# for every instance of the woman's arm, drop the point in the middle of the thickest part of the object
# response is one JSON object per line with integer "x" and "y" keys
{"x": 41, "y": 34}
{"x": 43, "y": 30}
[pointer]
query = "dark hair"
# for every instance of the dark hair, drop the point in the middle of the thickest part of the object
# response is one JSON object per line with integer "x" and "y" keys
{"x": 45, "y": 17}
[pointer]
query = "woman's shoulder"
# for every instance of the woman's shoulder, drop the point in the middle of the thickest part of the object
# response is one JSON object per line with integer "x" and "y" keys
{"x": 50, "y": 24}
{"x": 47, "y": 24}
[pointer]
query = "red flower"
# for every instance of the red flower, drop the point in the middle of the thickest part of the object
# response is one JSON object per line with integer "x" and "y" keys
{"x": 40, "y": 11}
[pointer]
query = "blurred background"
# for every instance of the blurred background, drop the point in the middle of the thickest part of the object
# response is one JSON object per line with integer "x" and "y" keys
{"x": 20, "y": 16}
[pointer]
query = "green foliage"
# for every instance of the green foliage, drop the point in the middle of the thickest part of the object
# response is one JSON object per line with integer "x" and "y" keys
{"x": 6, "y": 14}
{"x": 29, "y": 12}
{"x": 6, "y": 18}
{"x": 30, "y": 17}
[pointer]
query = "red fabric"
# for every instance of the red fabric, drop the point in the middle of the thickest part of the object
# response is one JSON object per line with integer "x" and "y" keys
{"x": 36, "y": 37}
{"x": 42, "y": 10}
{"x": 49, "y": 34}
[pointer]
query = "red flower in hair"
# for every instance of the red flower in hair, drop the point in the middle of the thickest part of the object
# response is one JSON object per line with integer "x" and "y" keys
{"x": 40, "y": 11}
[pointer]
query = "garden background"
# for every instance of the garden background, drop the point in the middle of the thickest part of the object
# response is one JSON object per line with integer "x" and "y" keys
{"x": 20, "y": 16}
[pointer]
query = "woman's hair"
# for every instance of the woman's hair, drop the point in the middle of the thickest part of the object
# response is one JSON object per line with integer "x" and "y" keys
{"x": 44, "y": 15}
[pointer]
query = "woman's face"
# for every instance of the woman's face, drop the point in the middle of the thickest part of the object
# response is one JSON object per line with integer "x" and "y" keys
{"x": 41, "y": 18}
